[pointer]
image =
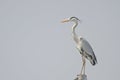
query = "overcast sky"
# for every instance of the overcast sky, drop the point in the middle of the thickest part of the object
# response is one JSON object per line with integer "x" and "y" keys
{"x": 34, "y": 45}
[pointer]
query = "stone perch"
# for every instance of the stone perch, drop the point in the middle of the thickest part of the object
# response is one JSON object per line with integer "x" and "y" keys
{"x": 81, "y": 77}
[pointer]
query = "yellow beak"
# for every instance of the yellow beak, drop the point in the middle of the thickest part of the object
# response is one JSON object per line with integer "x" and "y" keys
{"x": 65, "y": 20}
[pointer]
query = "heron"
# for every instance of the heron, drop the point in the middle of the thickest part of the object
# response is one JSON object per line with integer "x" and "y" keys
{"x": 82, "y": 46}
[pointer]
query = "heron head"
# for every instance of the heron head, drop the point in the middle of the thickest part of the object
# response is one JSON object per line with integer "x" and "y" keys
{"x": 71, "y": 19}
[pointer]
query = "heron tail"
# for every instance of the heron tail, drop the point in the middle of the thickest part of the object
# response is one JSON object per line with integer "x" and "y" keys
{"x": 93, "y": 62}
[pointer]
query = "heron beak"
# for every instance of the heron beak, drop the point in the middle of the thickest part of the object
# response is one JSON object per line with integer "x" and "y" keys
{"x": 65, "y": 20}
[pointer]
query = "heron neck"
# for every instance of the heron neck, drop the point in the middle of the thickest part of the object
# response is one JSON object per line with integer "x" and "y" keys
{"x": 75, "y": 37}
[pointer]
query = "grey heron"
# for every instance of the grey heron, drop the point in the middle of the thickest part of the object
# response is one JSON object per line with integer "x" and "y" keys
{"x": 83, "y": 46}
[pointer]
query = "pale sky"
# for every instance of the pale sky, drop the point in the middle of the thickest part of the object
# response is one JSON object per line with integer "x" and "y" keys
{"x": 34, "y": 45}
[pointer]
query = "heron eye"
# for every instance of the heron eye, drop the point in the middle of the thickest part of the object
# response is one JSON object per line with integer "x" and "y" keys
{"x": 72, "y": 18}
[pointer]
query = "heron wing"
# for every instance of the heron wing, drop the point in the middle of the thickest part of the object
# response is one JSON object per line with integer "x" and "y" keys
{"x": 87, "y": 48}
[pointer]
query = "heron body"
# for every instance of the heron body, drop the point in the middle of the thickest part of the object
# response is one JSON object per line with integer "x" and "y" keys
{"x": 86, "y": 50}
{"x": 82, "y": 46}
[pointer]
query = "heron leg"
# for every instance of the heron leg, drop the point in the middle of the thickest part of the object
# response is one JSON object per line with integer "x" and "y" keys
{"x": 84, "y": 64}
{"x": 81, "y": 69}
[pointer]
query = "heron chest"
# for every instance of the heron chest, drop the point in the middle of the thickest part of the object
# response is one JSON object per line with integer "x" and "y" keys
{"x": 79, "y": 48}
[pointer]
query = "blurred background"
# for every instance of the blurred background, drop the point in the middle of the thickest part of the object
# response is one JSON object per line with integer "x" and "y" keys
{"x": 35, "y": 45}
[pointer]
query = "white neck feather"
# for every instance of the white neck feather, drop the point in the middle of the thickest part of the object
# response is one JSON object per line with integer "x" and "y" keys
{"x": 75, "y": 37}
